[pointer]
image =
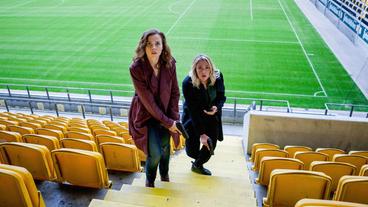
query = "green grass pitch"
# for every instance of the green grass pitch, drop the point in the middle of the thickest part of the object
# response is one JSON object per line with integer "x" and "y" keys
{"x": 265, "y": 48}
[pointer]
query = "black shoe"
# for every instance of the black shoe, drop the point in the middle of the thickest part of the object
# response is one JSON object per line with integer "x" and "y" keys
{"x": 200, "y": 169}
{"x": 150, "y": 184}
{"x": 165, "y": 178}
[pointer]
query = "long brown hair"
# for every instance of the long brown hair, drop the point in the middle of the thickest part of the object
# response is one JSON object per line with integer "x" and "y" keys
{"x": 140, "y": 51}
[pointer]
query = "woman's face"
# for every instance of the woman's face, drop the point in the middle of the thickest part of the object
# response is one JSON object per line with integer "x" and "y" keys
{"x": 203, "y": 70}
{"x": 154, "y": 47}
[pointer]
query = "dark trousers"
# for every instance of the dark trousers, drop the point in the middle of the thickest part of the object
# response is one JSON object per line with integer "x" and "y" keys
{"x": 192, "y": 145}
{"x": 158, "y": 151}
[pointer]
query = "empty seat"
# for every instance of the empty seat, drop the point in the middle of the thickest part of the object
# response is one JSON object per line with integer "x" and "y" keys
{"x": 260, "y": 153}
{"x": 356, "y": 160}
{"x": 361, "y": 153}
{"x": 2, "y": 127}
{"x": 104, "y": 132}
{"x": 333, "y": 169}
{"x": 79, "y": 129}
{"x": 364, "y": 170}
{"x": 6, "y": 136}
{"x": 79, "y": 135}
{"x": 128, "y": 139}
{"x": 123, "y": 157}
{"x": 352, "y": 189}
{"x": 19, "y": 195}
{"x": 49, "y": 141}
{"x": 21, "y": 129}
{"x": 50, "y": 132}
{"x": 8, "y": 122}
{"x": 306, "y": 202}
{"x": 56, "y": 127}
{"x": 107, "y": 138}
{"x": 293, "y": 149}
{"x": 79, "y": 144}
{"x": 268, "y": 164}
{"x": 89, "y": 172}
{"x": 256, "y": 146}
{"x": 308, "y": 157}
{"x": 30, "y": 124}
{"x": 289, "y": 186}
{"x": 35, "y": 158}
{"x": 330, "y": 152}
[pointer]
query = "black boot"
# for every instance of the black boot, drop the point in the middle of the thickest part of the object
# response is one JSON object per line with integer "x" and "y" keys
{"x": 165, "y": 178}
{"x": 150, "y": 184}
{"x": 200, "y": 169}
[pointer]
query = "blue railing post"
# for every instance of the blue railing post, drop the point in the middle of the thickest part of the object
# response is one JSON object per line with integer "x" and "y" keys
{"x": 111, "y": 117}
{"x": 111, "y": 96}
{"x": 30, "y": 107}
{"x": 47, "y": 93}
{"x": 7, "y": 86}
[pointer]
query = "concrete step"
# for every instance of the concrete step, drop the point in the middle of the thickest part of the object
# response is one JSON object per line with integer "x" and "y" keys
{"x": 185, "y": 199}
{"x": 104, "y": 203}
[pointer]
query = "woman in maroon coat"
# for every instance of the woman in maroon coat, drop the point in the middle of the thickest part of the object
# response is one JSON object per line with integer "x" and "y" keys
{"x": 154, "y": 109}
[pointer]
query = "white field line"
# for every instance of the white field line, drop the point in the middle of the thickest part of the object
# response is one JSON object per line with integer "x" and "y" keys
{"x": 251, "y": 9}
{"x": 66, "y": 82}
{"x": 170, "y": 7}
{"x": 131, "y": 86}
{"x": 15, "y": 6}
{"x": 305, "y": 53}
{"x": 279, "y": 94}
{"x": 181, "y": 16}
{"x": 234, "y": 40}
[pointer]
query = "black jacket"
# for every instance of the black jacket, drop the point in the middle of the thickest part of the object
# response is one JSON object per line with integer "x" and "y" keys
{"x": 194, "y": 119}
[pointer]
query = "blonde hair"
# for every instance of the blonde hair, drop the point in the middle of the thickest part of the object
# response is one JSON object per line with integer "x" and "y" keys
{"x": 193, "y": 73}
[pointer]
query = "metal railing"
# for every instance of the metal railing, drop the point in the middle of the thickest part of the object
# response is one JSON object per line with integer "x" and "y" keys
{"x": 351, "y": 108}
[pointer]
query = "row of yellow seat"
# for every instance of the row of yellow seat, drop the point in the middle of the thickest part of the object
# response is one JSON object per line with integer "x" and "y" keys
{"x": 287, "y": 187}
{"x": 299, "y": 162}
{"x": 18, "y": 188}
{"x": 307, "y": 155}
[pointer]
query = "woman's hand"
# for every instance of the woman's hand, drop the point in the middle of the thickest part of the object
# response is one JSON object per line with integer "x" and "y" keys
{"x": 174, "y": 129}
{"x": 203, "y": 139}
{"x": 212, "y": 112}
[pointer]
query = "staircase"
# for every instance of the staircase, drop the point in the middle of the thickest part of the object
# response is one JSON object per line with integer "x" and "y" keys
{"x": 228, "y": 186}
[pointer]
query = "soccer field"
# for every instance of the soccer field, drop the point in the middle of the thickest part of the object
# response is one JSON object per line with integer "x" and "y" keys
{"x": 265, "y": 48}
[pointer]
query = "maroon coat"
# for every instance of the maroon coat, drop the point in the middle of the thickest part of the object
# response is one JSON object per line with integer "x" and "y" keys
{"x": 144, "y": 106}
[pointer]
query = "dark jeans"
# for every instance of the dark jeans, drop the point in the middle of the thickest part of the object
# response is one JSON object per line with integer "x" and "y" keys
{"x": 158, "y": 151}
{"x": 192, "y": 145}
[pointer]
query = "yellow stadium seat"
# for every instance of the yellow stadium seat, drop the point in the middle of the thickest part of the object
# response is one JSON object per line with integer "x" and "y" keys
{"x": 50, "y": 132}
{"x": 79, "y": 129}
{"x": 79, "y": 135}
{"x": 260, "y": 153}
{"x": 124, "y": 124}
{"x": 330, "y": 152}
{"x": 49, "y": 141}
{"x": 8, "y": 122}
{"x": 6, "y": 136}
{"x": 256, "y": 146}
{"x": 30, "y": 124}
{"x": 32, "y": 192}
{"x": 122, "y": 157}
{"x": 128, "y": 139}
{"x": 79, "y": 144}
{"x": 2, "y": 127}
{"x": 21, "y": 129}
{"x": 352, "y": 189}
{"x": 308, "y": 157}
{"x": 104, "y": 132}
{"x": 364, "y": 170}
{"x": 306, "y": 202}
{"x": 289, "y": 186}
{"x": 291, "y": 149}
{"x": 333, "y": 169}
{"x": 361, "y": 153}
{"x": 107, "y": 138}
{"x": 56, "y": 127}
{"x": 35, "y": 158}
{"x": 13, "y": 191}
{"x": 40, "y": 122}
{"x": 268, "y": 164}
{"x": 89, "y": 172}
{"x": 356, "y": 160}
